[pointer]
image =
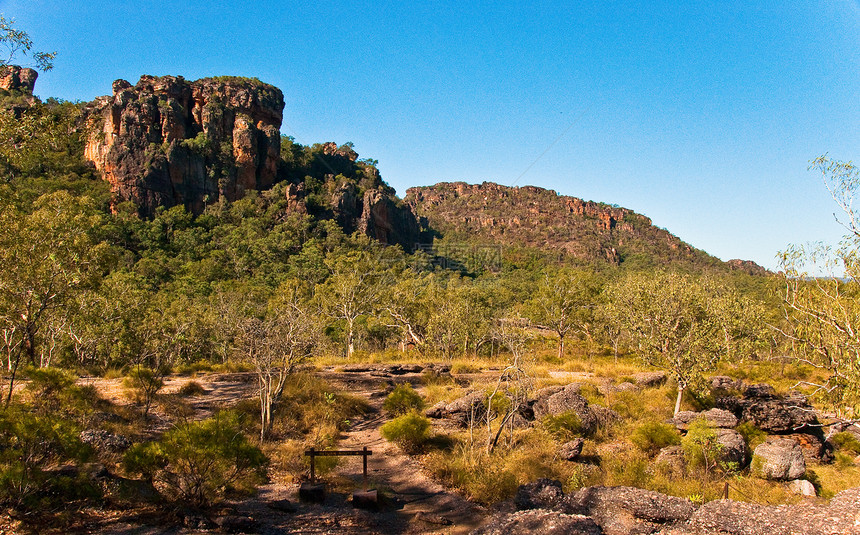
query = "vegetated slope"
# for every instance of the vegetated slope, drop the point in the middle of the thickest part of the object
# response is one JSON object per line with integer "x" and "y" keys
{"x": 538, "y": 218}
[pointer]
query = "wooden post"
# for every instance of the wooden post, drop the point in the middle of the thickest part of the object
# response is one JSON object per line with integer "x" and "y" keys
{"x": 312, "y": 465}
{"x": 726, "y": 493}
{"x": 364, "y": 457}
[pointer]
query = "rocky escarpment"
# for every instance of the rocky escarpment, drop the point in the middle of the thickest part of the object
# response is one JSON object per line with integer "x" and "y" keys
{"x": 537, "y": 217}
{"x": 166, "y": 141}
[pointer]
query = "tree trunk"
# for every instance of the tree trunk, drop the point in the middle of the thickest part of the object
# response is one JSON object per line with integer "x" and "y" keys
{"x": 678, "y": 400}
{"x": 560, "y": 346}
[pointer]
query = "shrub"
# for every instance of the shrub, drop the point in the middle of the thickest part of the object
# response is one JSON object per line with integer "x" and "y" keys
{"x": 30, "y": 443}
{"x": 701, "y": 447}
{"x": 200, "y": 462}
{"x": 753, "y": 436}
{"x": 403, "y": 399}
{"x": 564, "y": 426}
{"x": 846, "y": 442}
{"x": 144, "y": 384}
{"x": 192, "y": 388}
{"x": 410, "y": 431}
{"x": 651, "y": 437}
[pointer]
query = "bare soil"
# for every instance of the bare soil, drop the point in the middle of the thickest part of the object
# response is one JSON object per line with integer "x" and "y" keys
{"x": 410, "y": 501}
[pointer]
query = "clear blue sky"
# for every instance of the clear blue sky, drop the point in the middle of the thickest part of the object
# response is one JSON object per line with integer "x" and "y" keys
{"x": 700, "y": 115}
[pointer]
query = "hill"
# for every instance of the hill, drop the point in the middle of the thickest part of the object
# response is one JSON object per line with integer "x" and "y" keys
{"x": 541, "y": 219}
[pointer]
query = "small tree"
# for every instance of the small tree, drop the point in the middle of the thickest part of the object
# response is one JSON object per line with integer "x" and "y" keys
{"x": 677, "y": 323}
{"x": 18, "y": 43}
{"x": 821, "y": 298}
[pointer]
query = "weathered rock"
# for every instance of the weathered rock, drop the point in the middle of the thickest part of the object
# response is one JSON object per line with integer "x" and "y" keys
{"x": 608, "y": 388}
{"x": 779, "y": 459}
{"x": 841, "y": 516}
{"x": 540, "y": 494}
{"x": 626, "y": 510}
{"x": 734, "y": 447}
{"x": 812, "y": 446}
{"x": 461, "y": 411}
{"x": 604, "y": 416}
{"x": 650, "y": 379}
{"x": 802, "y": 487}
{"x": 570, "y": 451}
{"x": 15, "y": 78}
{"x": 104, "y": 441}
{"x": 167, "y": 141}
{"x": 714, "y": 417}
{"x": 436, "y": 411}
{"x": 771, "y": 414}
{"x": 236, "y": 524}
{"x": 673, "y": 458}
{"x": 725, "y": 383}
{"x": 567, "y": 400}
{"x": 539, "y": 522}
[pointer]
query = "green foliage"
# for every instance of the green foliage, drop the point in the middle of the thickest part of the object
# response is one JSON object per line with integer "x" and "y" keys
{"x": 652, "y": 436}
{"x": 753, "y": 436}
{"x": 17, "y": 42}
{"x": 564, "y": 426}
{"x": 410, "y": 431}
{"x": 200, "y": 463}
{"x": 29, "y": 445}
{"x": 144, "y": 384}
{"x": 403, "y": 399}
{"x": 701, "y": 447}
{"x": 846, "y": 442}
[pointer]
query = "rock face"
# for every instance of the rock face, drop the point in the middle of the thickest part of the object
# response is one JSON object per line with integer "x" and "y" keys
{"x": 540, "y": 494}
{"x": 539, "y": 522}
{"x": 780, "y": 459}
{"x": 15, "y": 78}
{"x": 767, "y": 411}
{"x": 566, "y": 400}
{"x": 536, "y": 217}
{"x": 625, "y": 510}
{"x": 166, "y": 141}
{"x": 715, "y": 417}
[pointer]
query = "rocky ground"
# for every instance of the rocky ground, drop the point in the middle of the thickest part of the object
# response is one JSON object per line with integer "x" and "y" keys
{"x": 413, "y": 503}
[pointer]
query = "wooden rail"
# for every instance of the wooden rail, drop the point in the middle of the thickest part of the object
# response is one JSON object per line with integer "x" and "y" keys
{"x": 364, "y": 452}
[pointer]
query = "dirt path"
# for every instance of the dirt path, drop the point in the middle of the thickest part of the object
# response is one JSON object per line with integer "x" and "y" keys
{"x": 412, "y": 502}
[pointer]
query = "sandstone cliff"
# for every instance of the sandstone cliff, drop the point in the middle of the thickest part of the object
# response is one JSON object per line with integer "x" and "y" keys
{"x": 540, "y": 218}
{"x": 166, "y": 141}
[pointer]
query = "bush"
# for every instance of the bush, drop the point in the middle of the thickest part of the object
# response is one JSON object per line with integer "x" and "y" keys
{"x": 144, "y": 384}
{"x": 403, "y": 399}
{"x": 753, "y": 436}
{"x": 200, "y": 462}
{"x": 701, "y": 447}
{"x": 410, "y": 431}
{"x": 192, "y": 388}
{"x": 651, "y": 437}
{"x": 29, "y": 444}
{"x": 564, "y": 426}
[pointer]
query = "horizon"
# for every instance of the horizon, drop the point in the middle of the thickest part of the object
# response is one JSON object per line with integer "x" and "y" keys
{"x": 701, "y": 119}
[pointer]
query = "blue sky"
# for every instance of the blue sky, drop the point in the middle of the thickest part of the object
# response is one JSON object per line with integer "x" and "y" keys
{"x": 701, "y": 115}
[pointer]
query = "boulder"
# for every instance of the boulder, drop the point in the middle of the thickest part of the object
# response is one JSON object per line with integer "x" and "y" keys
{"x": 715, "y": 417}
{"x": 627, "y": 510}
{"x": 570, "y": 451}
{"x": 812, "y": 446}
{"x": 462, "y": 410}
{"x": 567, "y": 400}
{"x": 778, "y": 458}
{"x": 672, "y": 457}
{"x": 771, "y": 414}
{"x": 725, "y": 383}
{"x": 802, "y": 487}
{"x": 760, "y": 391}
{"x": 539, "y": 522}
{"x": 740, "y": 518}
{"x": 650, "y": 379}
{"x": 236, "y": 524}
{"x": 734, "y": 447}
{"x": 540, "y": 494}
{"x": 15, "y": 78}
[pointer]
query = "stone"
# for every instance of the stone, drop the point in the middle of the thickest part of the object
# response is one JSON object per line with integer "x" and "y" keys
{"x": 760, "y": 391}
{"x": 779, "y": 459}
{"x": 236, "y": 524}
{"x": 539, "y": 522}
{"x": 540, "y": 494}
{"x": 812, "y": 446}
{"x": 570, "y": 451}
{"x": 734, "y": 447}
{"x": 771, "y": 414}
{"x": 623, "y": 510}
{"x": 714, "y": 417}
{"x": 567, "y": 400}
{"x": 673, "y": 458}
{"x": 802, "y": 487}
{"x": 725, "y": 383}
{"x": 650, "y": 379}
{"x": 104, "y": 441}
